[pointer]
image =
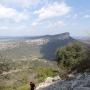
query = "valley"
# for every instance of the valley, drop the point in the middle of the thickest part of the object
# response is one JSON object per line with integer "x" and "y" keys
{"x": 29, "y": 59}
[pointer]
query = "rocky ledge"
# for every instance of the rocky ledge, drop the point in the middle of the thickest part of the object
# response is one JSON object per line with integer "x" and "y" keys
{"x": 79, "y": 82}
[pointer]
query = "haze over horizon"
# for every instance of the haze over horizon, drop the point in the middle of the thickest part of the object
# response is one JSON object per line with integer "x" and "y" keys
{"x": 44, "y": 17}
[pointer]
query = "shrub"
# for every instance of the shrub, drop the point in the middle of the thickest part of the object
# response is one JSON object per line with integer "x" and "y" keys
{"x": 74, "y": 56}
{"x": 43, "y": 73}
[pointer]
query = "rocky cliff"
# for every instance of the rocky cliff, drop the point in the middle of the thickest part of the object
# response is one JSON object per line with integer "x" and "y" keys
{"x": 79, "y": 82}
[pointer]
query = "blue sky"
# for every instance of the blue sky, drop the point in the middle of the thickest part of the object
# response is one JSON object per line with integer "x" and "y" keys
{"x": 42, "y": 17}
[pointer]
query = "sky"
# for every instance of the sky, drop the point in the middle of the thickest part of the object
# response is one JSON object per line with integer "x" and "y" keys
{"x": 44, "y": 17}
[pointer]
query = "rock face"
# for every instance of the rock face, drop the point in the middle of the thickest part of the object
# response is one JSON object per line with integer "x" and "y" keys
{"x": 49, "y": 81}
{"x": 81, "y": 82}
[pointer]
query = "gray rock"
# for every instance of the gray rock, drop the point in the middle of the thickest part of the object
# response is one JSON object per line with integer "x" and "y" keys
{"x": 81, "y": 82}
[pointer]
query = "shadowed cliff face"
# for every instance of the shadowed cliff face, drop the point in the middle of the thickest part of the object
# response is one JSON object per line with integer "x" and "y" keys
{"x": 54, "y": 42}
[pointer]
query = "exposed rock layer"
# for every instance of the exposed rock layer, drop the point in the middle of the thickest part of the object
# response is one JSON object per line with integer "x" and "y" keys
{"x": 80, "y": 82}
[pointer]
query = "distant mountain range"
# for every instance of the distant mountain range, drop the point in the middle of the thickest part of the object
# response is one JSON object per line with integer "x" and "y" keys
{"x": 40, "y": 46}
{"x": 34, "y": 37}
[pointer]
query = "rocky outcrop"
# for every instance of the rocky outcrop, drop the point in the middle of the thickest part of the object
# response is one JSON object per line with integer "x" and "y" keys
{"x": 49, "y": 81}
{"x": 80, "y": 82}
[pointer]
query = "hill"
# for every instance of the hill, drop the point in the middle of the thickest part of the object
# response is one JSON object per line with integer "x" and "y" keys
{"x": 28, "y": 47}
{"x": 29, "y": 58}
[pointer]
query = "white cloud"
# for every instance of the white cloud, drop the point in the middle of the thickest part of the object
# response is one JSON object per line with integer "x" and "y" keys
{"x": 75, "y": 16}
{"x": 60, "y": 24}
{"x": 21, "y": 3}
{"x": 57, "y": 24}
{"x": 68, "y": 16}
{"x": 12, "y": 14}
{"x": 3, "y": 27}
{"x": 87, "y": 16}
{"x": 37, "y": 23}
{"x": 56, "y": 9}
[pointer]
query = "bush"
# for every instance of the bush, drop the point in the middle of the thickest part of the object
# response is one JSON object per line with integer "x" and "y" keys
{"x": 74, "y": 56}
{"x": 43, "y": 73}
{"x": 24, "y": 87}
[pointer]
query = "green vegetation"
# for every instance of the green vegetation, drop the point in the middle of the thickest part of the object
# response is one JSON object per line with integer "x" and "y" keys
{"x": 43, "y": 73}
{"x": 4, "y": 65}
{"x": 74, "y": 57}
{"x": 23, "y": 87}
{"x": 20, "y": 73}
{"x": 23, "y": 62}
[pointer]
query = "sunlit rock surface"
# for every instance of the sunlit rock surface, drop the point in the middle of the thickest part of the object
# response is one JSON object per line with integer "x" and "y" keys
{"x": 80, "y": 82}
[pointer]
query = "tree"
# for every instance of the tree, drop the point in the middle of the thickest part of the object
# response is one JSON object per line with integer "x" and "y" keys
{"x": 73, "y": 56}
